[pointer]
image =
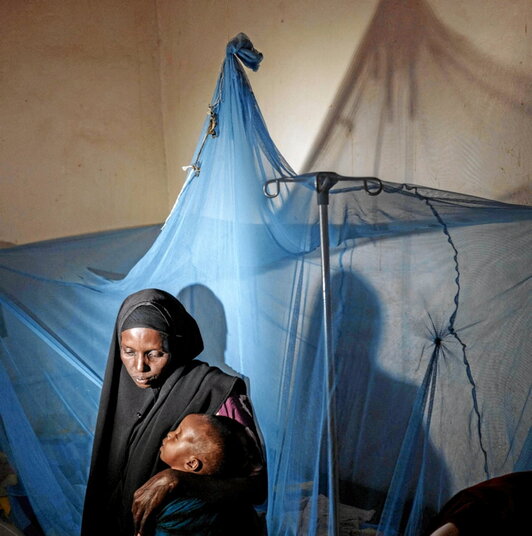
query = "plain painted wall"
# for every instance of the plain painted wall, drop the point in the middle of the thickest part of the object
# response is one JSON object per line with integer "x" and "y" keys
{"x": 80, "y": 118}
{"x": 102, "y": 101}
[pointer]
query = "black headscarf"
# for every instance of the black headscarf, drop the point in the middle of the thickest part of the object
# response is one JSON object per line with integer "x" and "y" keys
{"x": 132, "y": 421}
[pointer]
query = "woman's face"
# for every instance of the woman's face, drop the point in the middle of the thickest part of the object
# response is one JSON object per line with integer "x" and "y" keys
{"x": 144, "y": 353}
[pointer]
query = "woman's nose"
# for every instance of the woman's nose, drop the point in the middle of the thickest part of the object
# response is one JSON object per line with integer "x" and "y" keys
{"x": 140, "y": 363}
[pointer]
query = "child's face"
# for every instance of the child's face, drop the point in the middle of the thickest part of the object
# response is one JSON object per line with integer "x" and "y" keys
{"x": 177, "y": 448}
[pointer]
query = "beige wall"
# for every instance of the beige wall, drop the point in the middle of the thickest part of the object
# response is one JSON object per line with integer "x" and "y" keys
{"x": 309, "y": 45}
{"x": 80, "y": 118}
{"x": 103, "y": 100}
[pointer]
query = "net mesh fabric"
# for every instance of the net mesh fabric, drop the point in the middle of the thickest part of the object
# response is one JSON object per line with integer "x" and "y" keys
{"x": 430, "y": 294}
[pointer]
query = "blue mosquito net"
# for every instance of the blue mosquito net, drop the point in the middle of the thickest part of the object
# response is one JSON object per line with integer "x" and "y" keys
{"x": 429, "y": 380}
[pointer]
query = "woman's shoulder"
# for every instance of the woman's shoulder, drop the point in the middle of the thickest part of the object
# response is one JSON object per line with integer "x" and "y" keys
{"x": 209, "y": 379}
{"x": 214, "y": 373}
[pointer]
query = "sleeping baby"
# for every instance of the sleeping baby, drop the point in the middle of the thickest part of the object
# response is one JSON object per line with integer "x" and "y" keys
{"x": 208, "y": 445}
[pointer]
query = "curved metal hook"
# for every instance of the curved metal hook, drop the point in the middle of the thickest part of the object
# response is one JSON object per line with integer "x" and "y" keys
{"x": 373, "y": 192}
{"x": 266, "y": 188}
{"x": 324, "y": 181}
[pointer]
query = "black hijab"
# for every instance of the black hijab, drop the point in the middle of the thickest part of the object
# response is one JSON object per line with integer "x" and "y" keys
{"x": 133, "y": 421}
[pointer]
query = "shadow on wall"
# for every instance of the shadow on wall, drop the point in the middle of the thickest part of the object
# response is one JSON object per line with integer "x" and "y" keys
{"x": 522, "y": 193}
{"x": 410, "y": 66}
{"x": 209, "y": 313}
{"x": 376, "y": 439}
{"x": 374, "y": 412}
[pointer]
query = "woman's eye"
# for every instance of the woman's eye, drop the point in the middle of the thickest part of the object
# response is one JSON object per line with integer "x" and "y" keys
{"x": 153, "y": 355}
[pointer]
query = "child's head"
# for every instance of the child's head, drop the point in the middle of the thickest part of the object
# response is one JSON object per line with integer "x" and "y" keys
{"x": 207, "y": 445}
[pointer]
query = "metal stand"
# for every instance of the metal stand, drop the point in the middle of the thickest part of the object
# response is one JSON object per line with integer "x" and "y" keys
{"x": 324, "y": 181}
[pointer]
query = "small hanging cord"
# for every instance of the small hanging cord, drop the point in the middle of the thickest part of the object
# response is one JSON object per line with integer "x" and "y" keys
{"x": 213, "y": 122}
{"x": 211, "y": 129}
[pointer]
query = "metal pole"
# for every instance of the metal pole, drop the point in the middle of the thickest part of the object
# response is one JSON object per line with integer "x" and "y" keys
{"x": 324, "y": 182}
{"x": 323, "y": 185}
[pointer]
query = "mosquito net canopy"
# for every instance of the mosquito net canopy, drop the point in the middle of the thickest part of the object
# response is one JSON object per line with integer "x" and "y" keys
{"x": 430, "y": 332}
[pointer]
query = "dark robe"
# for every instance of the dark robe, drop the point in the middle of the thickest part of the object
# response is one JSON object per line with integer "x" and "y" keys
{"x": 499, "y": 506}
{"x": 133, "y": 421}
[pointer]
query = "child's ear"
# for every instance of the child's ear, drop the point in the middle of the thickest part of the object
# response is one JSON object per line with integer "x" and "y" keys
{"x": 193, "y": 464}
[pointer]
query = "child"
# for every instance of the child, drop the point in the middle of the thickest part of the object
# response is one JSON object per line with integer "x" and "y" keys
{"x": 208, "y": 445}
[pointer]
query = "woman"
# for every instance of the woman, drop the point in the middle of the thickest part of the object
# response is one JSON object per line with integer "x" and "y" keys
{"x": 151, "y": 383}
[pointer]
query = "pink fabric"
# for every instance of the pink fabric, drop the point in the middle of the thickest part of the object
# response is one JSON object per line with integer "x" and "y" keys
{"x": 237, "y": 407}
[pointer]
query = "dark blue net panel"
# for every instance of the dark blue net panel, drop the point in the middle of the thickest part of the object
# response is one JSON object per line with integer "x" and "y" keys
{"x": 430, "y": 295}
